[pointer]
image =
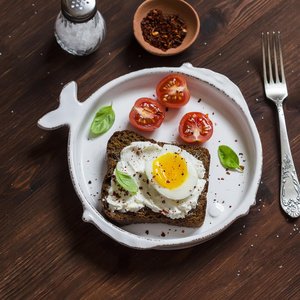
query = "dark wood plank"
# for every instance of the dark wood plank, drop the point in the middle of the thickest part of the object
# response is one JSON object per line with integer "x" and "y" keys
{"x": 47, "y": 251}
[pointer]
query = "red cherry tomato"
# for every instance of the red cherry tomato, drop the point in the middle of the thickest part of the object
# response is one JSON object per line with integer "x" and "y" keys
{"x": 172, "y": 91}
{"x": 195, "y": 127}
{"x": 146, "y": 114}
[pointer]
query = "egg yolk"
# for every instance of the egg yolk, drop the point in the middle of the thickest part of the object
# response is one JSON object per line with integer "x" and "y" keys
{"x": 170, "y": 170}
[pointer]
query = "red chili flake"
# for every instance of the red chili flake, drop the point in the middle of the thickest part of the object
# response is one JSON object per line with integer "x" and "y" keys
{"x": 228, "y": 173}
{"x": 90, "y": 182}
{"x": 163, "y": 31}
{"x": 163, "y": 234}
{"x": 235, "y": 140}
{"x": 182, "y": 231}
{"x": 242, "y": 167}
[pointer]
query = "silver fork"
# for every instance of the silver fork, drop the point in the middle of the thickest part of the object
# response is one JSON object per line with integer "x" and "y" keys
{"x": 277, "y": 92}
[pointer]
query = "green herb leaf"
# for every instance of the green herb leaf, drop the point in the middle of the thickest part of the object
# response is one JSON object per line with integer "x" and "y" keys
{"x": 104, "y": 120}
{"x": 126, "y": 181}
{"x": 229, "y": 158}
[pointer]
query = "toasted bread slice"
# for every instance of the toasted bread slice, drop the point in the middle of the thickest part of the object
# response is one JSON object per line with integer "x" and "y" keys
{"x": 116, "y": 143}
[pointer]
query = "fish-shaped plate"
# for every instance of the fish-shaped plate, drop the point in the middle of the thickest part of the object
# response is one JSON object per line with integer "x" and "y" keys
{"x": 230, "y": 194}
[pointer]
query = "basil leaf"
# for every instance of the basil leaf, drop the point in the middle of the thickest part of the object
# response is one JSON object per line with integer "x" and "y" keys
{"x": 126, "y": 181}
{"x": 229, "y": 158}
{"x": 104, "y": 120}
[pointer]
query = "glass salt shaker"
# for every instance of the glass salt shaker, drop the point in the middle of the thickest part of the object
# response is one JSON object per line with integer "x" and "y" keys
{"x": 79, "y": 27}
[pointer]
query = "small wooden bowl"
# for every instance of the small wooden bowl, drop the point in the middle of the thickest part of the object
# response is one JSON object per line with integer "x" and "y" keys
{"x": 173, "y": 7}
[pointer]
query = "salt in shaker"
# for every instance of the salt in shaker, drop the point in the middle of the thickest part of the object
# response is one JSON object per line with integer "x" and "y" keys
{"x": 79, "y": 27}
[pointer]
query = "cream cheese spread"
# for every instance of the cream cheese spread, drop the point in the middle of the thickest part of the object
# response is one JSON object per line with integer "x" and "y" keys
{"x": 135, "y": 160}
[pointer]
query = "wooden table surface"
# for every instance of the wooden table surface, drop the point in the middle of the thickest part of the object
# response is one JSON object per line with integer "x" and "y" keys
{"x": 47, "y": 251}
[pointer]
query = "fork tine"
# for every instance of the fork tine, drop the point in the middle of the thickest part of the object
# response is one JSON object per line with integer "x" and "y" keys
{"x": 275, "y": 57}
{"x": 264, "y": 58}
{"x": 269, "y": 58}
{"x": 281, "y": 60}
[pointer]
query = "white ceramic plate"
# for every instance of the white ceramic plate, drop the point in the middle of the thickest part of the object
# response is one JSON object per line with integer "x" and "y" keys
{"x": 230, "y": 195}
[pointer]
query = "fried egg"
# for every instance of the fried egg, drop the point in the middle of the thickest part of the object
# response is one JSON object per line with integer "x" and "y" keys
{"x": 172, "y": 173}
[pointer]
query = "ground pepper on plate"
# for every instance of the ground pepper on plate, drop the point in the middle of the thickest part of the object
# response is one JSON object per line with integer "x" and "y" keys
{"x": 163, "y": 31}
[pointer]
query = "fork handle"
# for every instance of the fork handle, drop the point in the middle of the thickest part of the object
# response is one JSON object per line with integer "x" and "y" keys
{"x": 289, "y": 186}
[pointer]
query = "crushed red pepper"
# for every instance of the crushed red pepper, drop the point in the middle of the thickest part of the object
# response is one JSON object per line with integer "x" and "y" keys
{"x": 163, "y": 31}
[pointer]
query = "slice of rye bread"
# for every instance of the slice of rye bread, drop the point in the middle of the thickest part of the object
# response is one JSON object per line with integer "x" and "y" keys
{"x": 116, "y": 143}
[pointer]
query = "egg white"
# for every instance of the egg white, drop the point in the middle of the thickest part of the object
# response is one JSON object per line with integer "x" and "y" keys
{"x": 189, "y": 184}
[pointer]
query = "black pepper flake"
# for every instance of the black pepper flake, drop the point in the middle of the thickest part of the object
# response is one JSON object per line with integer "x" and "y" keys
{"x": 147, "y": 232}
{"x": 163, "y": 234}
{"x": 89, "y": 182}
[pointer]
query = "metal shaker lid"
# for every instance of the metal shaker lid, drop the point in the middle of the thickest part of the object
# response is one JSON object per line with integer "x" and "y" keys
{"x": 79, "y": 11}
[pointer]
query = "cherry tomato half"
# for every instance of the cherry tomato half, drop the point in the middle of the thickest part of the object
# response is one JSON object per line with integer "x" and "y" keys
{"x": 195, "y": 127}
{"x": 172, "y": 91}
{"x": 146, "y": 114}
